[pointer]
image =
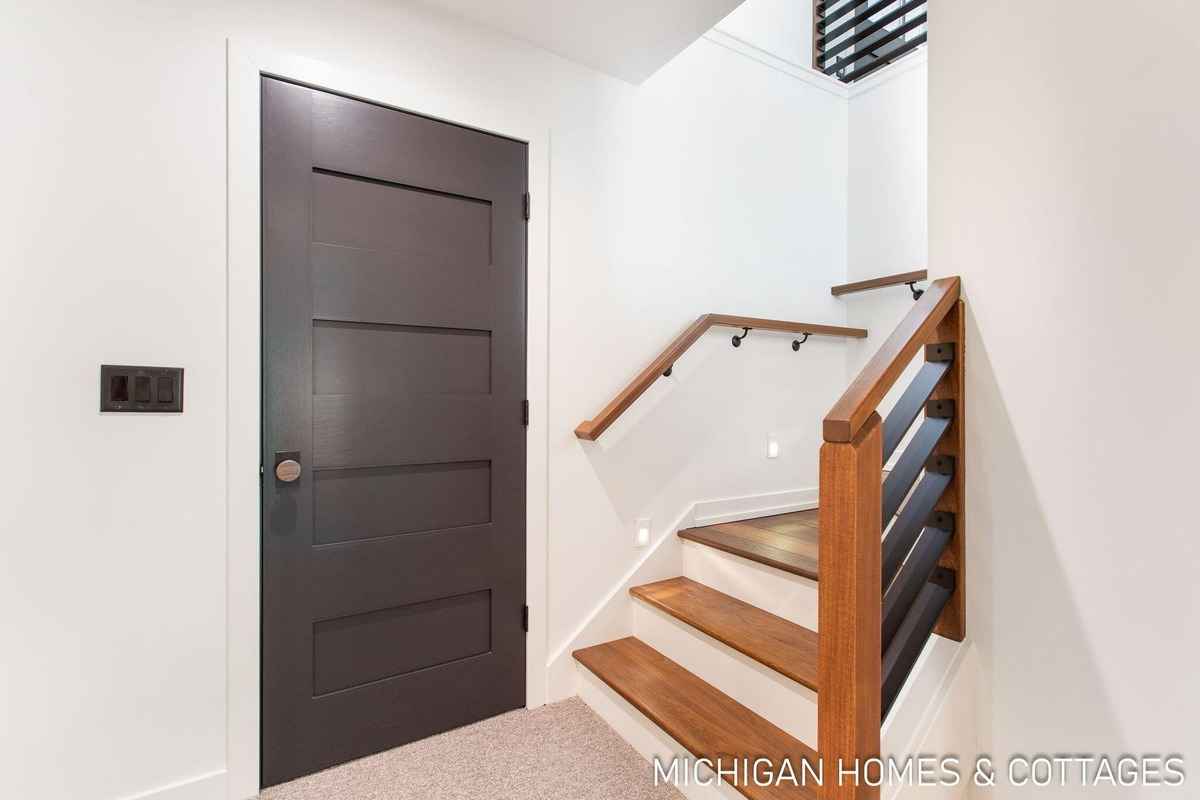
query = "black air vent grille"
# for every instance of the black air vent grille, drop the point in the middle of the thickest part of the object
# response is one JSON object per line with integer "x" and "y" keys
{"x": 853, "y": 38}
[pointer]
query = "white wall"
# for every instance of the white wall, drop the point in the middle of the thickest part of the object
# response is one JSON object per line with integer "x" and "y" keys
{"x": 731, "y": 201}
{"x": 887, "y": 175}
{"x": 717, "y": 186}
{"x": 629, "y": 39}
{"x": 1063, "y": 188}
{"x": 782, "y": 28}
{"x": 887, "y": 203}
{"x": 886, "y": 166}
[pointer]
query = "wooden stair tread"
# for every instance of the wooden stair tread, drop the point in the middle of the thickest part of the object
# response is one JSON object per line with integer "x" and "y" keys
{"x": 789, "y": 542}
{"x": 707, "y": 722}
{"x": 773, "y": 641}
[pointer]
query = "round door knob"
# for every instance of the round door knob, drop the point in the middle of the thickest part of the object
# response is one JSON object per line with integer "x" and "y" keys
{"x": 288, "y": 470}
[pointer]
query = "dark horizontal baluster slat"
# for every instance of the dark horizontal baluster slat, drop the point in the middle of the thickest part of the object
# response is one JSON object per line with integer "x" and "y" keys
{"x": 831, "y": 34}
{"x": 908, "y": 47}
{"x": 908, "y": 467}
{"x": 913, "y": 575}
{"x": 910, "y": 522}
{"x": 914, "y": 631}
{"x": 875, "y": 27}
{"x": 841, "y": 11}
{"x": 910, "y": 404}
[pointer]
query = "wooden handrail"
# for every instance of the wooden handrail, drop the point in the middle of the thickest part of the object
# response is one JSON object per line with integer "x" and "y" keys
{"x": 879, "y": 283}
{"x": 591, "y": 429}
{"x": 859, "y": 401}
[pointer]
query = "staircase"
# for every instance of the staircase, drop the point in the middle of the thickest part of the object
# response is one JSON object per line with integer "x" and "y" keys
{"x": 791, "y": 637}
{"x": 693, "y": 636}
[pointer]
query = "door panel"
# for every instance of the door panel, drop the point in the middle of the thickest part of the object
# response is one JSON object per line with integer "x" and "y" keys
{"x": 359, "y": 430}
{"x": 363, "y": 359}
{"x": 356, "y": 138}
{"x": 370, "y": 503}
{"x": 361, "y": 648}
{"x": 362, "y": 575}
{"x": 394, "y": 364}
{"x": 449, "y": 232}
{"x": 370, "y": 286}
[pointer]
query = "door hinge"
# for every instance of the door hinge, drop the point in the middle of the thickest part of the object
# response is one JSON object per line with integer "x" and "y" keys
{"x": 525, "y": 413}
{"x": 525, "y": 204}
{"x": 525, "y": 618}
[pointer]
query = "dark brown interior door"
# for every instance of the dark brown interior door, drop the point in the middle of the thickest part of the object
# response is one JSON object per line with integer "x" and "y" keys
{"x": 393, "y": 382}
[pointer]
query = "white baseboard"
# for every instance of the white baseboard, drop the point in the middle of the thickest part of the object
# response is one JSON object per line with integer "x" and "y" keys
{"x": 735, "y": 509}
{"x": 613, "y": 616}
{"x": 204, "y": 787}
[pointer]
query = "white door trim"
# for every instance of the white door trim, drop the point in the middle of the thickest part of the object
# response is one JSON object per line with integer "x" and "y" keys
{"x": 245, "y": 64}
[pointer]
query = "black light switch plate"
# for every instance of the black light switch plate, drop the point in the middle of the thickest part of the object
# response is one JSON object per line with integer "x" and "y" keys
{"x": 125, "y": 388}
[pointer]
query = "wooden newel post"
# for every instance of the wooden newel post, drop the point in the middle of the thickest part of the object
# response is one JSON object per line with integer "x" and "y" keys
{"x": 850, "y": 609}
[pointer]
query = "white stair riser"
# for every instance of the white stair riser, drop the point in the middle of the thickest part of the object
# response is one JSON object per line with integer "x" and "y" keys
{"x": 781, "y": 593}
{"x": 644, "y": 735}
{"x": 764, "y": 691}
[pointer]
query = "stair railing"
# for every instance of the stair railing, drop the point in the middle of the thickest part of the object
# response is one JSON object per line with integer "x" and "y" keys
{"x": 661, "y": 366}
{"x": 880, "y": 602}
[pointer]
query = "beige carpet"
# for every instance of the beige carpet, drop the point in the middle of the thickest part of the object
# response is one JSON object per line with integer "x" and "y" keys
{"x": 557, "y": 752}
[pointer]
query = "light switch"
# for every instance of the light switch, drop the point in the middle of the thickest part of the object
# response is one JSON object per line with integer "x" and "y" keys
{"x": 145, "y": 389}
{"x": 118, "y": 388}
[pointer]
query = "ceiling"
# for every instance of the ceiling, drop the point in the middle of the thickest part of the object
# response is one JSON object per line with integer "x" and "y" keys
{"x": 630, "y": 39}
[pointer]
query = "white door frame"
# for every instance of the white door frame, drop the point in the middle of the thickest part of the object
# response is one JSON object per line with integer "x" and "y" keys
{"x": 246, "y": 63}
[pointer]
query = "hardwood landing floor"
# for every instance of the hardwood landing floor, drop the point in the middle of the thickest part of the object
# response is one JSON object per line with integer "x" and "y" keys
{"x": 786, "y": 541}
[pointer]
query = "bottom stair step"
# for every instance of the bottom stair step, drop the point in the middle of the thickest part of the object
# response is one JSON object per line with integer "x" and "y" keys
{"x": 708, "y": 723}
